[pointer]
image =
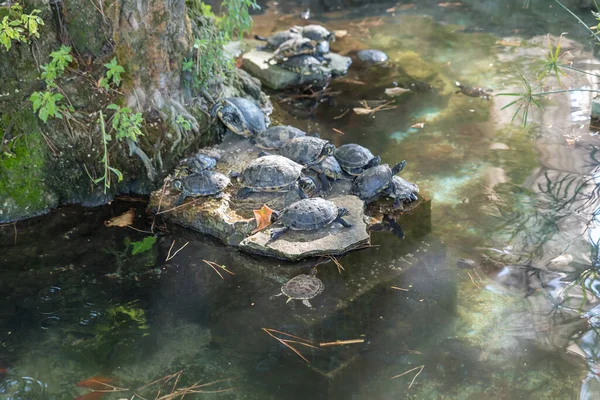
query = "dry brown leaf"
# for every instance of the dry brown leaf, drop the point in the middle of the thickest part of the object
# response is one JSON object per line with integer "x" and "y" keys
{"x": 396, "y": 91}
{"x": 122, "y": 220}
{"x": 262, "y": 217}
{"x": 340, "y": 34}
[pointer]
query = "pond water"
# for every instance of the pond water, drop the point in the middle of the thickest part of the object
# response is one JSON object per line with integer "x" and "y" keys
{"x": 520, "y": 202}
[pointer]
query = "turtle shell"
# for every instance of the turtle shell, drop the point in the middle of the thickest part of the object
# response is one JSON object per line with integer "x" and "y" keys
{"x": 352, "y": 156}
{"x": 271, "y": 173}
{"x": 204, "y": 183}
{"x": 309, "y": 214}
{"x": 198, "y": 162}
{"x": 330, "y": 167}
{"x": 303, "y": 287}
{"x": 315, "y": 32}
{"x": 372, "y": 182}
{"x": 404, "y": 190}
{"x": 252, "y": 114}
{"x": 302, "y": 64}
{"x": 275, "y": 136}
{"x": 295, "y": 47}
{"x": 276, "y": 39}
{"x": 305, "y": 150}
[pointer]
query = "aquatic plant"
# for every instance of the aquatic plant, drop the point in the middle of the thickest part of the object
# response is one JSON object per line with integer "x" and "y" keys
{"x": 19, "y": 27}
{"x": 143, "y": 245}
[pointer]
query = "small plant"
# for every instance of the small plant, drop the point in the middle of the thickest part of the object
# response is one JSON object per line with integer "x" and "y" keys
{"x": 143, "y": 245}
{"x": 19, "y": 27}
{"x": 237, "y": 21}
{"x": 105, "y": 178}
{"x": 183, "y": 123}
{"x": 46, "y": 104}
{"x": 60, "y": 59}
{"x": 113, "y": 75}
{"x": 125, "y": 123}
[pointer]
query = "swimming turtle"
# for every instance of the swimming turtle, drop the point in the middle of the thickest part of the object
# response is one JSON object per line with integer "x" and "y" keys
{"x": 315, "y": 32}
{"x": 275, "y": 136}
{"x": 354, "y": 159}
{"x": 276, "y": 39}
{"x": 241, "y": 116}
{"x": 376, "y": 181}
{"x": 328, "y": 168}
{"x": 371, "y": 57}
{"x": 293, "y": 47}
{"x": 273, "y": 173}
{"x": 302, "y": 287}
{"x": 194, "y": 164}
{"x": 307, "y": 150}
{"x": 203, "y": 183}
{"x": 403, "y": 190}
{"x": 473, "y": 91}
{"x": 308, "y": 215}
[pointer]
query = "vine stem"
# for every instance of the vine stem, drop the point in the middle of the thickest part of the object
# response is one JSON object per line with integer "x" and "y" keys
{"x": 106, "y": 172}
{"x": 578, "y": 19}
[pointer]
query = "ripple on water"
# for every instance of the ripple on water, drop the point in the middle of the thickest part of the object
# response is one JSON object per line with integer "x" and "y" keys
{"x": 49, "y": 322}
{"x": 95, "y": 298}
{"x": 50, "y": 300}
{"x": 24, "y": 388}
{"x": 89, "y": 317}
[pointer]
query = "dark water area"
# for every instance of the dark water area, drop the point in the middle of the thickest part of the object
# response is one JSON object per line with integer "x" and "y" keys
{"x": 520, "y": 202}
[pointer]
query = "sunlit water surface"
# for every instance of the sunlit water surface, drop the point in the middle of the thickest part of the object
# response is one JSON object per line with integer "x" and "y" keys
{"x": 519, "y": 201}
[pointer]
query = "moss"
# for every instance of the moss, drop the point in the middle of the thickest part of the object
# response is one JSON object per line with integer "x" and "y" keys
{"x": 22, "y": 184}
{"x": 414, "y": 65}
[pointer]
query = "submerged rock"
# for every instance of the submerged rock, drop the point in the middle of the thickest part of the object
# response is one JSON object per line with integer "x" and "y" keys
{"x": 371, "y": 57}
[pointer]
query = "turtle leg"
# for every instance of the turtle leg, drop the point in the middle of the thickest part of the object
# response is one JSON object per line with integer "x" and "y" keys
{"x": 397, "y": 202}
{"x": 307, "y": 303}
{"x": 394, "y": 227}
{"x": 325, "y": 184}
{"x": 276, "y": 233}
{"x": 399, "y": 167}
{"x": 244, "y": 192}
{"x": 343, "y": 222}
{"x": 264, "y": 153}
{"x": 180, "y": 200}
{"x": 275, "y": 295}
{"x": 299, "y": 190}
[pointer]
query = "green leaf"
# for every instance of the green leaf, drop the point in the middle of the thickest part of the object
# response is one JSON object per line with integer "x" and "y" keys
{"x": 143, "y": 246}
{"x": 113, "y": 106}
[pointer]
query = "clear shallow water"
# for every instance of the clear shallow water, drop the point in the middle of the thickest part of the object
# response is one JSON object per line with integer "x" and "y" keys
{"x": 521, "y": 202}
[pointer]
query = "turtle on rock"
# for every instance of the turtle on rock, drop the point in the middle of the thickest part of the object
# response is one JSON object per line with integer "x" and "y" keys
{"x": 278, "y": 38}
{"x": 293, "y": 47}
{"x": 355, "y": 159}
{"x": 276, "y": 136}
{"x": 203, "y": 183}
{"x": 194, "y": 164}
{"x": 308, "y": 151}
{"x": 241, "y": 116}
{"x": 273, "y": 173}
{"x": 308, "y": 215}
{"x": 378, "y": 181}
{"x": 328, "y": 168}
{"x": 302, "y": 287}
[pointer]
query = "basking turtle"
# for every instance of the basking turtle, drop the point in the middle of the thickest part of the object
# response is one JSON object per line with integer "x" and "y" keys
{"x": 293, "y": 47}
{"x": 307, "y": 150}
{"x": 304, "y": 64}
{"x": 377, "y": 181}
{"x": 315, "y": 32}
{"x": 473, "y": 91}
{"x": 308, "y": 215}
{"x": 371, "y": 57}
{"x": 191, "y": 165}
{"x": 203, "y": 183}
{"x": 354, "y": 159}
{"x": 302, "y": 287}
{"x": 274, "y": 173}
{"x": 328, "y": 168}
{"x": 241, "y": 116}
{"x": 403, "y": 190}
{"x": 275, "y": 136}
{"x": 276, "y": 39}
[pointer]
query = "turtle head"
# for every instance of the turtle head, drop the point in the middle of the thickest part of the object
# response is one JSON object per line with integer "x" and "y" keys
{"x": 313, "y": 271}
{"x": 330, "y": 37}
{"x": 214, "y": 111}
{"x": 177, "y": 184}
{"x": 458, "y": 85}
{"x": 342, "y": 212}
{"x": 307, "y": 185}
{"x": 328, "y": 150}
{"x": 375, "y": 161}
{"x": 398, "y": 167}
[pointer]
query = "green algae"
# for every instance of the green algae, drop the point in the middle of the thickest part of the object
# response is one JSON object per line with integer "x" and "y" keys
{"x": 522, "y": 157}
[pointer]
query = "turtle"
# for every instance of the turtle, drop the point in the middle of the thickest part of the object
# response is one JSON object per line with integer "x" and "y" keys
{"x": 241, "y": 116}
{"x": 194, "y": 164}
{"x": 328, "y": 168}
{"x": 276, "y": 39}
{"x": 203, "y": 183}
{"x": 275, "y": 136}
{"x": 315, "y": 32}
{"x": 403, "y": 190}
{"x": 473, "y": 91}
{"x": 308, "y": 215}
{"x": 354, "y": 159}
{"x": 293, "y": 47}
{"x": 371, "y": 57}
{"x": 304, "y": 64}
{"x": 273, "y": 173}
{"x": 302, "y": 287}
{"x": 376, "y": 181}
{"x": 307, "y": 150}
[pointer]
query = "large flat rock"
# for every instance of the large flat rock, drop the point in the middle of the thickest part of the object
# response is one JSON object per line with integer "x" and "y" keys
{"x": 330, "y": 240}
{"x": 256, "y": 63}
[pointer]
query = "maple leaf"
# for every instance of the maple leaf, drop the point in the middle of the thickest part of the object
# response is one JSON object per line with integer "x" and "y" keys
{"x": 263, "y": 218}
